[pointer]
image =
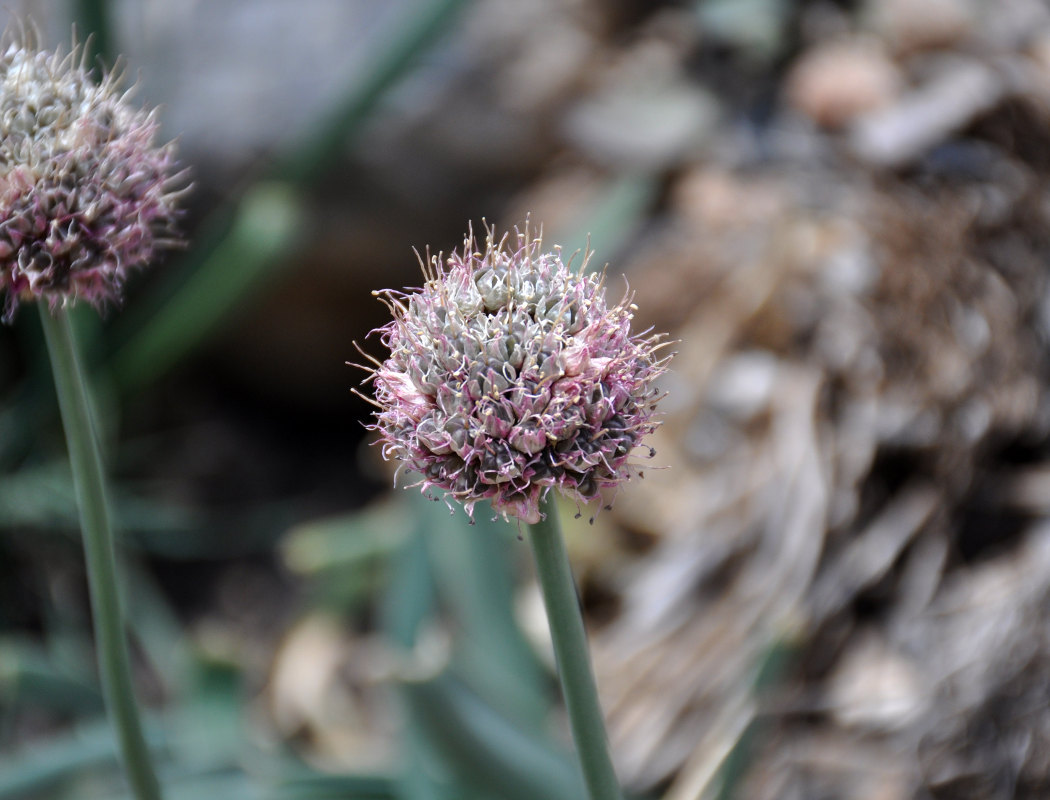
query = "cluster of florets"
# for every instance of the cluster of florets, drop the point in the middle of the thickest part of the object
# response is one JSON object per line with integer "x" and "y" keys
{"x": 510, "y": 375}
{"x": 85, "y": 194}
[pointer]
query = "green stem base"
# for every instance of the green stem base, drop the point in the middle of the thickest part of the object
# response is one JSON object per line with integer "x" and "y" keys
{"x": 89, "y": 481}
{"x": 570, "y": 650}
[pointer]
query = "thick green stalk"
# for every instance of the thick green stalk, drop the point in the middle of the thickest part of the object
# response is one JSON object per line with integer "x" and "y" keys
{"x": 570, "y": 650}
{"x": 88, "y": 478}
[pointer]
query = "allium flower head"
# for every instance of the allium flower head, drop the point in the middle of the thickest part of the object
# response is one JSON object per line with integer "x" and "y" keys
{"x": 85, "y": 194}
{"x": 509, "y": 375}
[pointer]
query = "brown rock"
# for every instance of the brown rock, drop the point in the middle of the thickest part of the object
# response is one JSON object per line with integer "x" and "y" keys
{"x": 835, "y": 83}
{"x": 909, "y": 26}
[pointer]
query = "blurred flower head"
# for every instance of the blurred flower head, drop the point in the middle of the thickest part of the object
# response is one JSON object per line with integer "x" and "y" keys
{"x": 85, "y": 194}
{"x": 509, "y": 375}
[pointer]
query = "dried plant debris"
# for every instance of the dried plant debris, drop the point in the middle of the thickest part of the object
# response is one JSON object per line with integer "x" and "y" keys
{"x": 855, "y": 426}
{"x": 849, "y": 237}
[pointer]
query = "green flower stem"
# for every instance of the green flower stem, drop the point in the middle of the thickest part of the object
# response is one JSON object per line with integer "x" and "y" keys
{"x": 570, "y": 650}
{"x": 86, "y": 461}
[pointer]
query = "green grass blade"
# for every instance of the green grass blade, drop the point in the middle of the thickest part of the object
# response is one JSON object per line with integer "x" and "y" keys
{"x": 607, "y": 225}
{"x": 267, "y": 223}
{"x": 472, "y": 565}
{"x": 29, "y": 677}
{"x": 48, "y": 765}
{"x": 410, "y": 36}
{"x": 486, "y": 749}
{"x": 93, "y": 20}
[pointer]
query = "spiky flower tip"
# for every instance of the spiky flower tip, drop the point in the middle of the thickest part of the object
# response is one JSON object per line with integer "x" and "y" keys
{"x": 510, "y": 375}
{"x": 85, "y": 194}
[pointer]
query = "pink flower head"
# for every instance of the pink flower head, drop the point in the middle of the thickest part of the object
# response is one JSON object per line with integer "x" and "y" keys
{"x": 85, "y": 194}
{"x": 509, "y": 374}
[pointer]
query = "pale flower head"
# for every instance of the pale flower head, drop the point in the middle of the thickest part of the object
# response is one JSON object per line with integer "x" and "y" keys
{"x": 510, "y": 375}
{"x": 85, "y": 193}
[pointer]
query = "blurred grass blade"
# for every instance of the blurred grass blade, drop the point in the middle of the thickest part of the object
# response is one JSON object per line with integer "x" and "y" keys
{"x": 269, "y": 223}
{"x": 28, "y": 676}
{"x": 445, "y": 721}
{"x": 156, "y": 626}
{"x": 50, "y": 764}
{"x": 43, "y": 497}
{"x": 610, "y": 222}
{"x": 346, "y": 541}
{"x": 412, "y": 35}
{"x": 405, "y": 606}
{"x": 231, "y": 532}
{"x": 418, "y": 780}
{"x": 336, "y": 787}
{"x": 227, "y": 786}
{"x": 208, "y": 730}
{"x": 45, "y": 768}
{"x": 32, "y": 403}
{"x": 346, "y": 559}
{"x": 408, "y": 600}
{"x": 93, "y": 28}
{"x": 228, "y": 262}
{"x": 486, "y": 749}
{"x": 774, "y": 661}
{"x": 473, "y": 571}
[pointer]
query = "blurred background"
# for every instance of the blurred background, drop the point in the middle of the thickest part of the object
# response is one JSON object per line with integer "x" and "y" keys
{"x": 839, "y": 586}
